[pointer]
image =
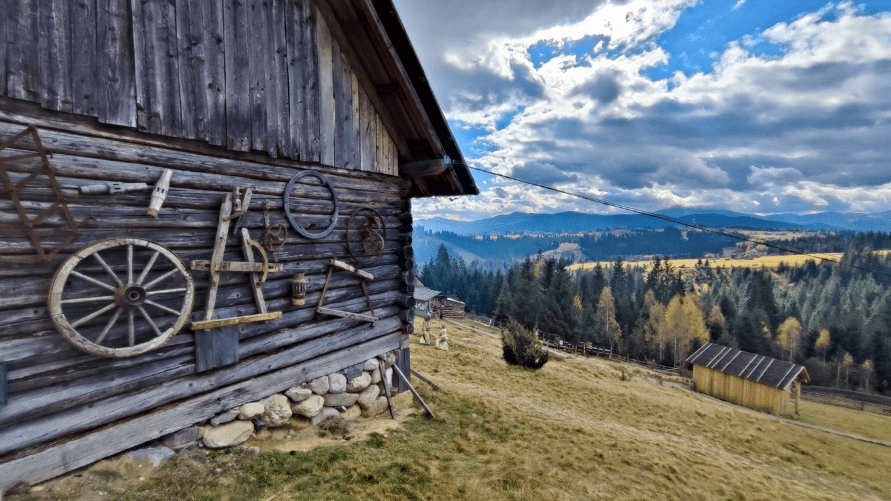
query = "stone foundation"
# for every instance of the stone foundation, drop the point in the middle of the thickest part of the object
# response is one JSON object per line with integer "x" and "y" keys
{"x": 348, "y": 394}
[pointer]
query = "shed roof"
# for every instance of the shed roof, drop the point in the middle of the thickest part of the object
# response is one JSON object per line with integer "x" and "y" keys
{"x": 758, "y": 368}
{"x": 425, "y": 294}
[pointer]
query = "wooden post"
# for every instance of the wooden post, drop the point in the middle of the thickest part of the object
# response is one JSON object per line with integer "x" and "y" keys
{"x": 797, "y": 396}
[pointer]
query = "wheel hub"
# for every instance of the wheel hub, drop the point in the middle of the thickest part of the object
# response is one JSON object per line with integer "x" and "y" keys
{"x": 130, "y": 296}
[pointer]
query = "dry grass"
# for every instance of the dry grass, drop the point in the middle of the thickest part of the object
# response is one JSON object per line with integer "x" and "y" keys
{"x": 572, "y": 430}
{"x": 868, "y": 424}
{"x": 768, "y": 262}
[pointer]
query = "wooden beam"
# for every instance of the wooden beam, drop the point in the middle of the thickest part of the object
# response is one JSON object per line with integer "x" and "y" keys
{"x": 227, "y": 322}
{"x": 346, "y": 314}
{"x": 65, "y": 457}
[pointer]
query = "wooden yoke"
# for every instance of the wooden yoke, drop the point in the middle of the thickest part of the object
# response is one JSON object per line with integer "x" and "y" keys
{"x": 216, "y": 265}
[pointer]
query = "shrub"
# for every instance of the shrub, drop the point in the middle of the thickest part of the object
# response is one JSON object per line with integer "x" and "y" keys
{"x": 522, "y": 347}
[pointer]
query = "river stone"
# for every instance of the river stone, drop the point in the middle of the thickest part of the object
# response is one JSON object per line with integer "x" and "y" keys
{"x": 352, "y": 412}
{"x": 376, "y": 376}
{"x": 370, "y": 365}
{"x": 325, "y": 413}
{"x": 358, "y": 384}
{"x": 309, "y": 407}
{"x": 390, "y": 358}
{"x": 337, "y": 383}
{"x": 344, "y": 399}
{"x": 228, "y": 435}
{"x": 251, "y": 410}
{"x": 298, "y": 394}
{"x": 376, "y": 407}
{"x": 320, "y": 385}
{"x": 388, "y": 375}
{"x": 277, "y": 412}
{"x": 368, "y": 396}
{"x": 226, "y": 417}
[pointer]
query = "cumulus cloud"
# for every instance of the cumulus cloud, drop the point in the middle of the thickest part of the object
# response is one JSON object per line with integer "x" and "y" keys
{"x": 795, "y": 117}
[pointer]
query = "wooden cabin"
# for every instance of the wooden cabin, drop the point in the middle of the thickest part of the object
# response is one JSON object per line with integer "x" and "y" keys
{"x": 762, "y": 383}
{"x": 450, "y": 308}
{"x": 202, "y": 202}
{"x": 424, "y": 298}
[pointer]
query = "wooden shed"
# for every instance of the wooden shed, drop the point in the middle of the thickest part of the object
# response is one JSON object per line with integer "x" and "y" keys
{"x": 755, "y": 381}
{"x": 202, "y": 202}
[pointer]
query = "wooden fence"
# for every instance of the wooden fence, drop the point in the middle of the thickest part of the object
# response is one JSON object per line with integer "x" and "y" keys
{"x": 555, "y": 342}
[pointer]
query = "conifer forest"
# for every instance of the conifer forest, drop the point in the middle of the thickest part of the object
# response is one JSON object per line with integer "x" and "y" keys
{"x": 832, "y": 317}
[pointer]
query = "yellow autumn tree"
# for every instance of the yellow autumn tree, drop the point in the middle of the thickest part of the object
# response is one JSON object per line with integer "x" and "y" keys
{"x": 822, "y": 344}
{"x": 789, "y": 337}
{"x": 605, "y": 319}
{"x": 683, "y": 323}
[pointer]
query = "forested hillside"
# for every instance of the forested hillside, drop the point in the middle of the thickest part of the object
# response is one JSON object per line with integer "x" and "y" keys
{"x": 833, "y": 317}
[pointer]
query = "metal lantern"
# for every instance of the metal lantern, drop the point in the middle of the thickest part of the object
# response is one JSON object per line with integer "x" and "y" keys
{"x": 298, "y": 290}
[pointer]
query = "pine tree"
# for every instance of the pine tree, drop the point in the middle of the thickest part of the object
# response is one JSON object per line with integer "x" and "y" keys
{"x": 606, "y": 322}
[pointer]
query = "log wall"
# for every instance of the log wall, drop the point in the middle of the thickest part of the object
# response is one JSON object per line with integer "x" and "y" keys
{"x": 55, "y": 391}
{"x": 254, "y": 75}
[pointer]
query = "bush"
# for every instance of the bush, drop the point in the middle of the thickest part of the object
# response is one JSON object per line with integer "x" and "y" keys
{"x": 522, "y": 348}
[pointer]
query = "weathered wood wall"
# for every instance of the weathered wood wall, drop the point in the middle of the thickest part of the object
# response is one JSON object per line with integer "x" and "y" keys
{"x": 55, "y": 390}
{"x": 741, "y": 391}
{"x": 261, "y": 75}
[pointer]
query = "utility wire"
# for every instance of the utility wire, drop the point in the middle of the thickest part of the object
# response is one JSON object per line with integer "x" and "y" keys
{"x": 736, "y": 236}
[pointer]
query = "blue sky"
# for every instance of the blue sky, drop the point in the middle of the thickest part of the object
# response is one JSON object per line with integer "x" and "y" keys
{"x": 754, "y": 106}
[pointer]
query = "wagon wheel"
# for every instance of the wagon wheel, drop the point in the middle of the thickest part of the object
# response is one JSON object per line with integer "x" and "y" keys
{"x": 369, "y": 232}
{"x": 155, "y": 298}
{"x": 287, "y": 204}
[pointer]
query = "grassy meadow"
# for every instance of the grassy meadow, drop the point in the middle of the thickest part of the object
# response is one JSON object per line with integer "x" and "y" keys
{"x": 576, "y": 429}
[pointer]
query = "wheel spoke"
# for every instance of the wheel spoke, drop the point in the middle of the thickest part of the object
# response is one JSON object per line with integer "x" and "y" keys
{"x": 159, "y": 279}
{"x": 150, "y": 321}
{"x": 162, "y": 307}
{"x": 93, "y": 281}
{"x": 147, "y": 268}
{"x": 104, "y": 265}
{"x": 131, "y": 332}
{"x": 165, "y": 291}
{"x": 93, "y": 315}
{"x": 108, "y": 326}
{"x": 130, "y": 263}
{"x": 87, "y": 299}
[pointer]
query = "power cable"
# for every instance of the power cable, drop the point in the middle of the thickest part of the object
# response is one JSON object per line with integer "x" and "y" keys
{"x": 736, "y": 236}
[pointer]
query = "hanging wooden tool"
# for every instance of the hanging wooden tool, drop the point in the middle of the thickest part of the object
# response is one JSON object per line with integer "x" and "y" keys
{"x": 363, "y": 275}
{"x": 216, "y": 265}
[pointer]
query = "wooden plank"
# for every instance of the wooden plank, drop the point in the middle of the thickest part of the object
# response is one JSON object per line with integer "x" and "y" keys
{"x": 22, "y": 51}
{"x": 104, "y": 442}
{"x": 340, "y": 106}
{"x": 327, "y": 112}
{"x": 212, "y": 127}
{"x": 367, "y": 125}
{"x": 295, "y": 16}
{"x": 346, "y": 314}
{"x": 311, "y": 130}
{"x": 4, "y": 20}
{"x": 121, "y": 406}
{"x": 277, "y": 117}
{"x": 3, "y": 385}
{"x": 379, "y": 148}
{"x": 158, "y": 109}
{"x": 403, "y": 362}
{"x": 355, "y": 162}
{"x": 227, "y": 322}
{"x": 217, "y": 347}
{"x": 190, "y": 47}
{"x": 237, "y": 29}
{"x": 83, "y": 57}
{"x": 55, "y": 54}
{"x": 115, "y": 78}
{"x": 259, "y": 58}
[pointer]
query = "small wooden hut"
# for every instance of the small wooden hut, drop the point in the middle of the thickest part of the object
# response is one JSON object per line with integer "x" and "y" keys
{"x": 424, "y": 298}
{"x": 279, "y": 144}
{"x": 755, "y": 381}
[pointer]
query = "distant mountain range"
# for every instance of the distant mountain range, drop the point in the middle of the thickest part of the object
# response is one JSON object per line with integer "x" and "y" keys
{"x": 576, "y": 222}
